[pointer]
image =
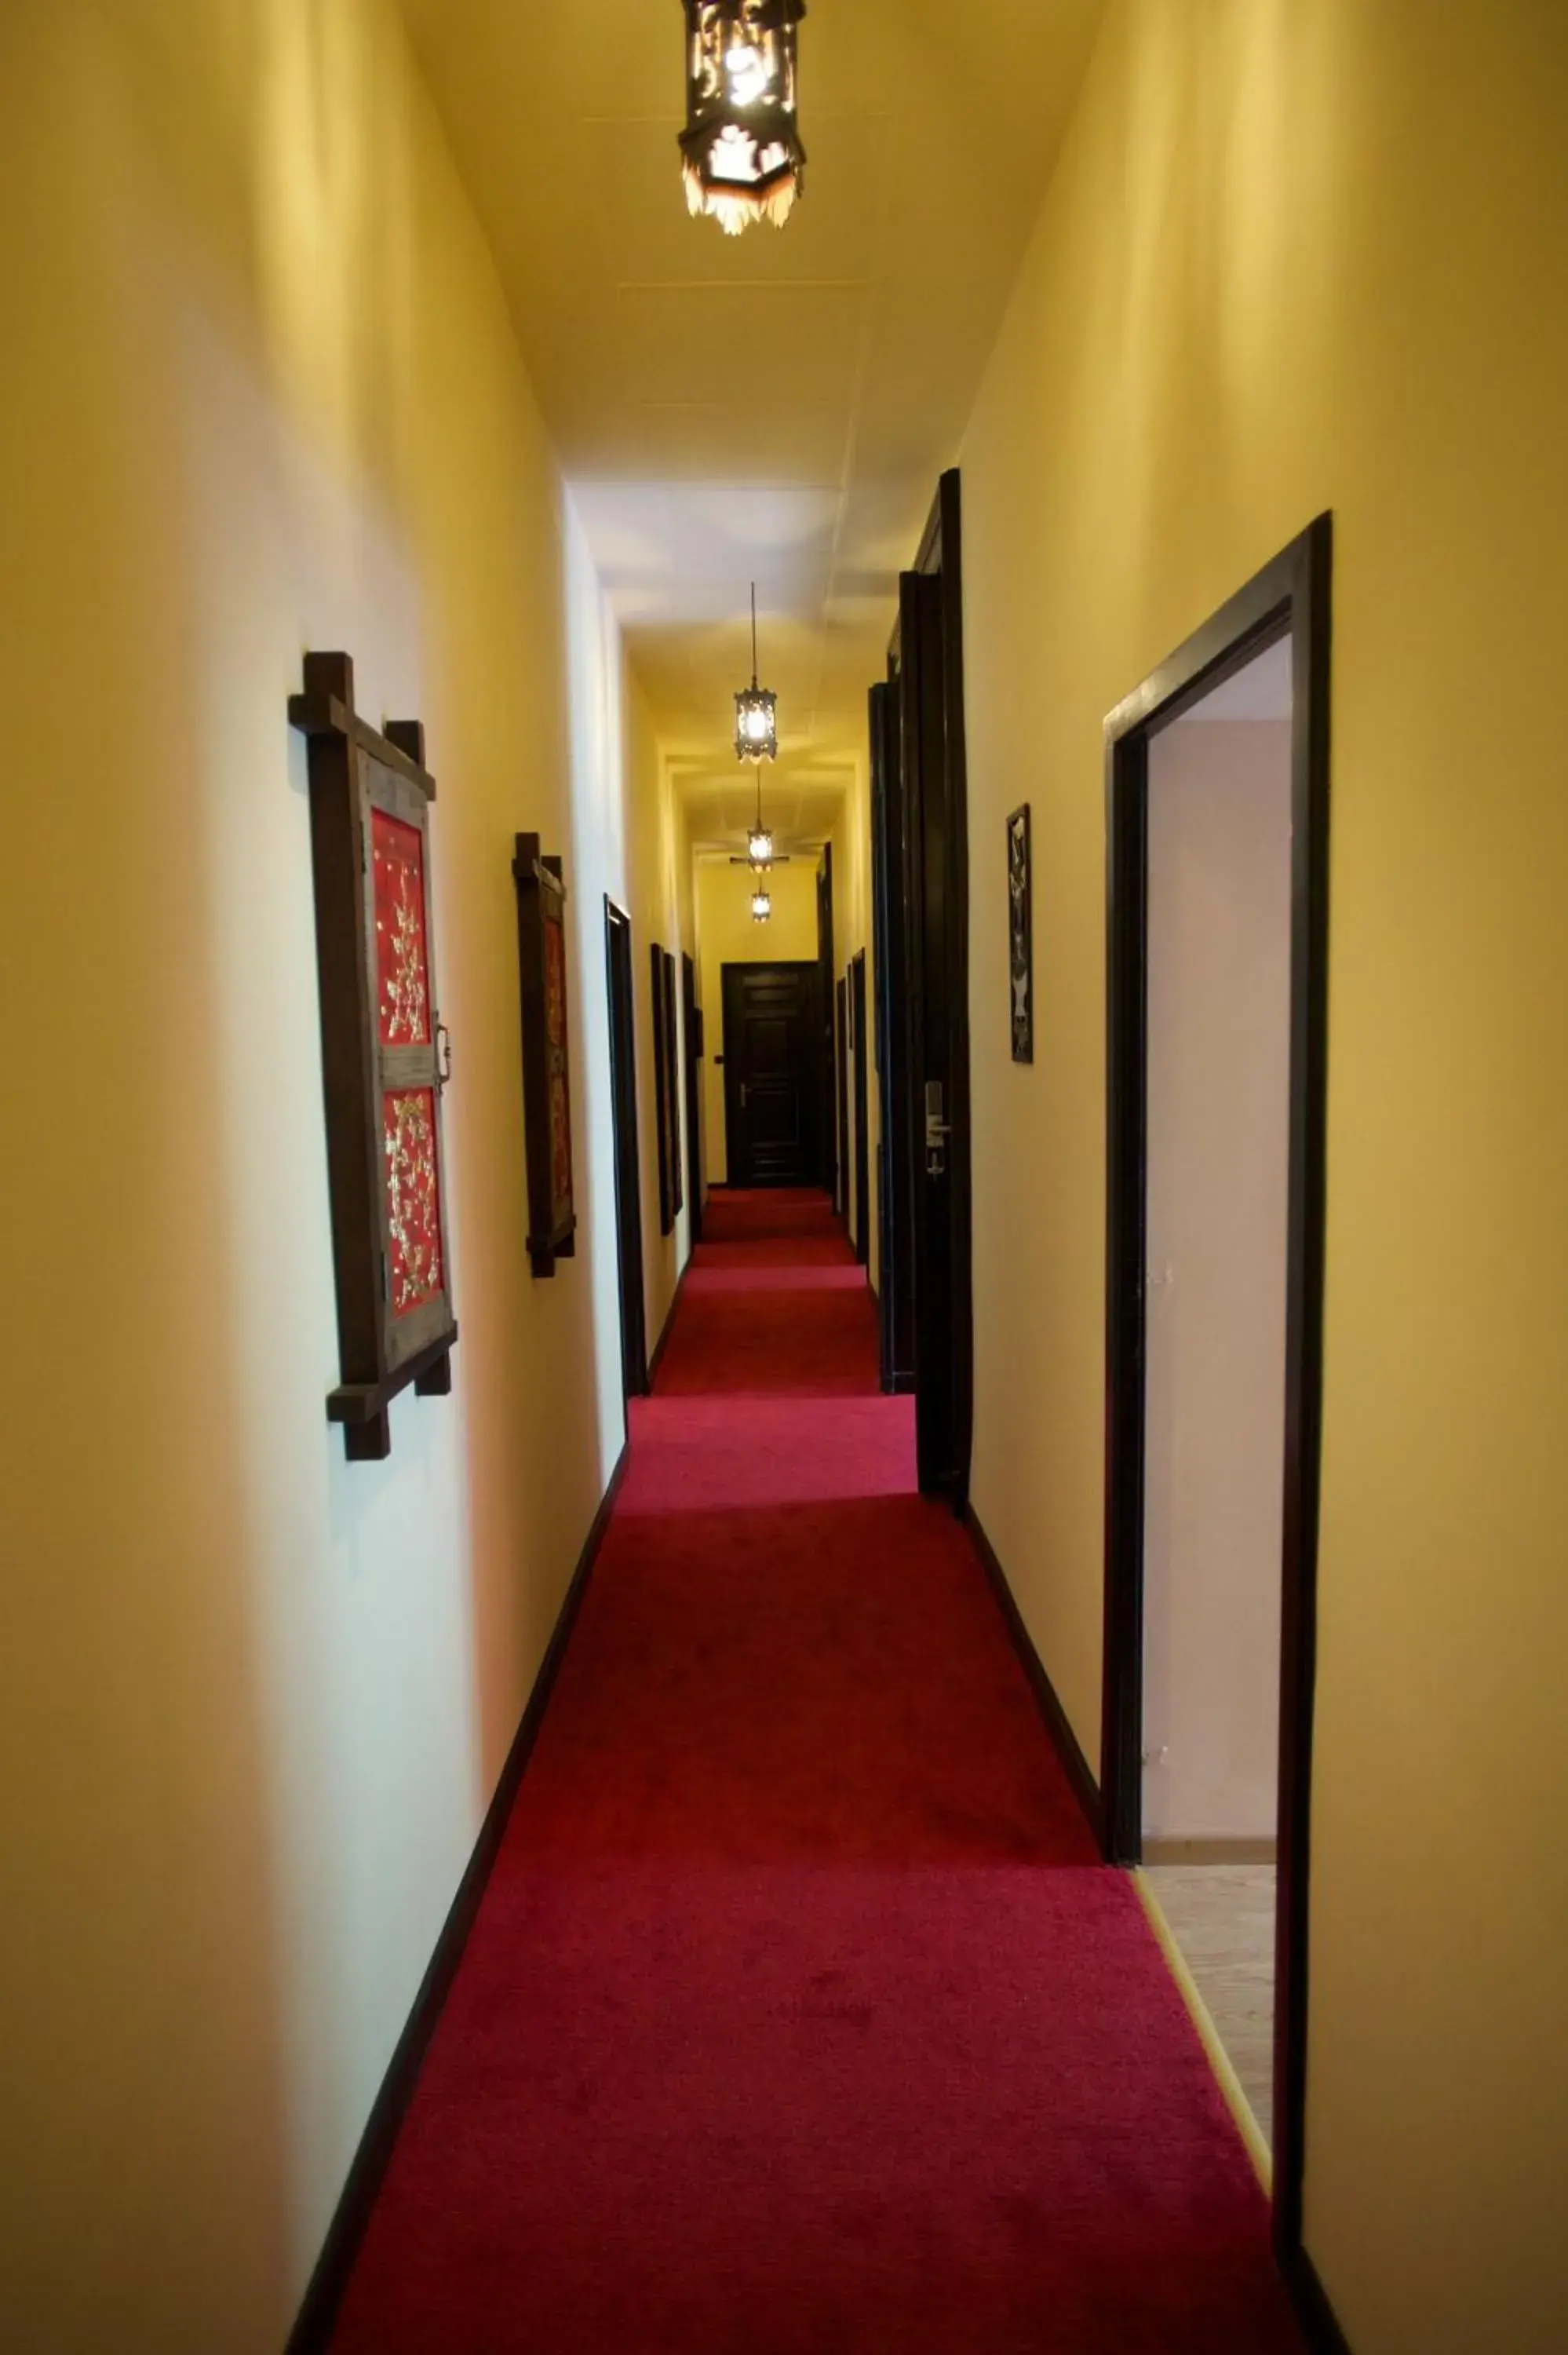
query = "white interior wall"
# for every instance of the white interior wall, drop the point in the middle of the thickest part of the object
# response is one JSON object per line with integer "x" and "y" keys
{"x": 1219, "y": 1006}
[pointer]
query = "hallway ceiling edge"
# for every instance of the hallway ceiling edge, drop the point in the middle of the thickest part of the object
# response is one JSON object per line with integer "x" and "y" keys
{"x": 775, "y": 406}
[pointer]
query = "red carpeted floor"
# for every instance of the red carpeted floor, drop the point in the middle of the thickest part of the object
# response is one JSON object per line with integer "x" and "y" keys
{"x": 799, "y": 2018}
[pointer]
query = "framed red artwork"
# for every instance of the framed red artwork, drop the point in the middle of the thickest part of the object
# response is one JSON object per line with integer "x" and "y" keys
{"x": 384, "y": 1058}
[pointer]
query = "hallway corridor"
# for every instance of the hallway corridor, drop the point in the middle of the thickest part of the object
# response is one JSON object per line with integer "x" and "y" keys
{"x": 798, "y": 2016}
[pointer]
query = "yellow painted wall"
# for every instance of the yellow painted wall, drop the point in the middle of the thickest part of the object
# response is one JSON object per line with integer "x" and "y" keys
{"x": 1308, "y": 255}
{"x": 729, "y": 936}
{"x": 260, "y": 392}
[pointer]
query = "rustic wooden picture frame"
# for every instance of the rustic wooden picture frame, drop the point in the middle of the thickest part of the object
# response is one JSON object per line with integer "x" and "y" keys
{"x": 666, "y": 1086}
{"x": 370, "y": 795}
{"x": 547, "y": 1046}
{"x": 1021, "y": 933}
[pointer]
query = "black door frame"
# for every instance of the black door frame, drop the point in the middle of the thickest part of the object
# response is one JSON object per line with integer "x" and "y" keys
{"x": 861, "y": 1148}
{"x": 811, "y": 1087}
{"x": 928, "y": 662}
{"x": 692, "y": 1036}
{"x": 1290, "y": 597}
{"x": 895, "y": 1152}
{"x": 623, "y": 1011}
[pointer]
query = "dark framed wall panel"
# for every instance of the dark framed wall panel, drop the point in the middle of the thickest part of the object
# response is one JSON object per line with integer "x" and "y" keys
{"x": 546, "y": 1077}
{"x": 1289, "y": 597}
{"x": 384, "y": 1065}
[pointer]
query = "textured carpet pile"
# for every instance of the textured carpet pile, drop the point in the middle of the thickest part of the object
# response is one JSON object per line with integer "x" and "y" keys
{"x": 799, "y": 2018}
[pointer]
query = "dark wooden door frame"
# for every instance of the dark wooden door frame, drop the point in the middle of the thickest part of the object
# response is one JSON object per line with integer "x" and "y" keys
{"x": 623, "y": 1012}
{"x": 1290, "y": 597}
{"x": 811, "y": 1085}
{"x": 862, "y": 1151}
{"x": 894, "y": 1147}
{"x": 692, "y": 1035}
{"x": 933, "y": 781}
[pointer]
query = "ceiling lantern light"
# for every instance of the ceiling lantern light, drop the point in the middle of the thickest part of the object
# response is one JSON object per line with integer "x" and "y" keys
{"x": 755, "y": 710}
{"x": 761, "y": 904}
{"x": 744, "y": 160}
{"x": 759, "y": 843}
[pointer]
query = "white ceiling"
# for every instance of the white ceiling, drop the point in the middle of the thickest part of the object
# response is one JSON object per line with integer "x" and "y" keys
{"x": 776, "y": 406}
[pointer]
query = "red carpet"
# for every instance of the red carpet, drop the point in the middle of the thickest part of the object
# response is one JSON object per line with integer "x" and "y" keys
{"x": 797, "y": 2018}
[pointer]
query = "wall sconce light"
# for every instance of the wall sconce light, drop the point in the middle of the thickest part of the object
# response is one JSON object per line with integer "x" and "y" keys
{"x": 743, "y": 157}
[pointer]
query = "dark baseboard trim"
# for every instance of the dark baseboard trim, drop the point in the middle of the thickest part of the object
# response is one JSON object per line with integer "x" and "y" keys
{"x": 1319, "y": 2323}
{"x": 662, "y": 1342}
{"x": 1062, "y": 1734}
{"x": 313, "y": 2327}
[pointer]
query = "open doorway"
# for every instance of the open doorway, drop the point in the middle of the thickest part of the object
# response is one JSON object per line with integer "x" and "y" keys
{"x": 1218, "y": 815}
{"x": 628, "y": 1184}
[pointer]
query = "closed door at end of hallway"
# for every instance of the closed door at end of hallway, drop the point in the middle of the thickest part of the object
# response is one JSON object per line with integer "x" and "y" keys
{"x": 772, "y": 1082}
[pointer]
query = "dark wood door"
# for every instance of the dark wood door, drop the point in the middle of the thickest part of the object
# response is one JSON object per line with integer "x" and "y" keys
{"x": 832, "y": 1131}
{"x": 895, "y": 1164}
{"x": 691, "y": 1031}
{"x": 861, "y": 1142}
{"x": 935, "y": 817}
{"x": 773, "y": 1074}
{"x": 841, "y": 1096}
{"x": 628, "y": 1179}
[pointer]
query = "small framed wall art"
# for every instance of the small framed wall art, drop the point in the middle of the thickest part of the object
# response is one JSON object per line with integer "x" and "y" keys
{"x": 546, "y": 1070}
{"x": 384, "y": 1054}
{"x": 1021, "y": 934}
{"x": 666, "y": 1086}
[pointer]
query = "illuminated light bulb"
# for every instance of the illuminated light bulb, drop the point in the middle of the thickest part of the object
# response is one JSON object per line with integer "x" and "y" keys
{"x": 761, "y": 907}
{"x": 755, "y": 724}
{"x": 747, "y": 73}
{"x": 759, "y": 842}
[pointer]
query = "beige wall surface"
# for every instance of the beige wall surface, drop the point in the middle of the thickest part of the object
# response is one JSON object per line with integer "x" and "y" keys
{"x": 1299, "y": 257}
{"x": 261, "y": 393}
{"x": 1217, "y": 1164}
{"x": 730, "y": 935}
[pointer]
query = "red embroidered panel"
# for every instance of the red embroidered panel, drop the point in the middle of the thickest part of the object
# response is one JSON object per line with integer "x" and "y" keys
{"x": 556, "y": 1023}
{"x": 402, "y": 965}
{"x": 413, "y": 1196}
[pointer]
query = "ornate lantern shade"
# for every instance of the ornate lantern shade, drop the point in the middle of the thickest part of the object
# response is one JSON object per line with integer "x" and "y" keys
{"x": 761, "y": 904}
{"x": 755, "y": 724}
{"x": 744, "y": 160}
{"x": 760, "y": 843}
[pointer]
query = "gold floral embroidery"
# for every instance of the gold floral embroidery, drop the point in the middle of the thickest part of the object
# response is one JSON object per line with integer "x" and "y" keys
{"x": 413, "y": 1210}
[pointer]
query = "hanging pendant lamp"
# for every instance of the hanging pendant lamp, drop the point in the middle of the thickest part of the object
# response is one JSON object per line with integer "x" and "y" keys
{"x": 755, "y": 710}
{"x": 761, "y": 902}
{"x": 743, "y": 157}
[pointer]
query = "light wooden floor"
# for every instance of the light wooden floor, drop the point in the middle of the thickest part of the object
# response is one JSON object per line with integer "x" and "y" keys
{"x": 1221, "y": 1918}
